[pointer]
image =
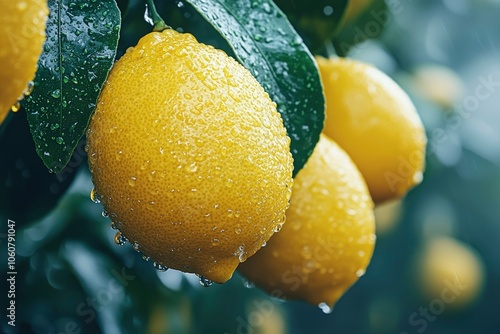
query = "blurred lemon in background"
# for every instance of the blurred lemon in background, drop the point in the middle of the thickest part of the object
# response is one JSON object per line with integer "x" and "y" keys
{"x": 450, "y": 271}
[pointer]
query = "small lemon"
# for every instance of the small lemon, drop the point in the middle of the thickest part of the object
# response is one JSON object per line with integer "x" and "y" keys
{"x": 22, "y": 34}
{"x": 328, "y": 238}
{"x": 189, "y": 155}
{"x": 376, "y": 123}
{"x": 450, "y": 272}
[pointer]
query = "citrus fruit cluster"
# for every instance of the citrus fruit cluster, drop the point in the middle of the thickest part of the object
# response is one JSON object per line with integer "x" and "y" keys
{"x": 373, "y": 134}
{"x": 192, "y": 163}
{"x": 22, "y": 34}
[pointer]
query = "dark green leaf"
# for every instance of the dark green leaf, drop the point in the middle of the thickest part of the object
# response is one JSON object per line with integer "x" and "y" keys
{"x": 368, "y": 25}
{"x": 266, "y": 43}
{"x": 27, "y": 190}
{"x": 79, "y": 51}
{"x": 316, "y": 21}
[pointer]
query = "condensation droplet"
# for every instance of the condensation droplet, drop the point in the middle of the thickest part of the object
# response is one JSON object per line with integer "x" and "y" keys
{"x": 132, "y": 181}
{"x": 159, "y": 267}
{"x": 350, "y": 212}
{"x": 113, "y": 226}
{"x": 215, "y": 242}
{"x": 56, "y": 93}
{"x": 192, "y": 168}
{"x": 145, "y": 258}
{"x": 204, "y": 282}
{"x": 418, "y": 177}
{"x": 94, "y": 197}
{"x": 29, "y": 88}
{"x": 360, "y": 272}
{"x": 136, "y": 246}
{"x": 325, "y": 308}
{"x": 120, "y": 239}
{"x": 105, "y": 214}
{"x": 15, "y": 107}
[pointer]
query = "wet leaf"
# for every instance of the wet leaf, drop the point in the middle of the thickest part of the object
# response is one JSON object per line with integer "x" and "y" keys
{"x": 264, "y": 41}
{"x": 80, "y": 49}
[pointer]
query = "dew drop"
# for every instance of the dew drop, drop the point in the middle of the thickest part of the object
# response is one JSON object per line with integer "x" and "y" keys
{"x": 266, "y": 7}
{"x": 418, "y": 177}
{"x": 132, "y": 181}
{"x": 29, "y": 88}
{"x": 145, "y": 258}
{"x": 147, "y": 16}
{"x": 204, "y": 282}
{"x": 56, "y": 93}
{"x": 242, "y": 255}
{"x": 215, "y": 242}
{"x": 360, "y": 272}
{"x": 192, "y": 168}
{"x": 104, "y": 214}
{"x": 120, "y": 239}
{"x": 350, "y": 212}
{"x": 136, "y": 246}
{"x": 278, "y": 227}
{"x": 94, "y": 197}
{"x": 15, "y": 107}
{"x": 325, "y": 308}
{"x": 159, "y": 267}
{"x": 113, "y": 226}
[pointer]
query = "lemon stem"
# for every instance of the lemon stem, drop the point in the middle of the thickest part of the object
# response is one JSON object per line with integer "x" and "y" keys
{"x": 158, "y": 23}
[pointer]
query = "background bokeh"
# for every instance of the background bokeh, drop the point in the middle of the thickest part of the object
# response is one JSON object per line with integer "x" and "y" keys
{"x": 436, "y": 265}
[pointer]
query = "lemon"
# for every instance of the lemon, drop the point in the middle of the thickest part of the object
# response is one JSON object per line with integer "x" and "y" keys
{"x": 438, "y": 84}
{"x": 328, "y": 238}
{"x": 450, "y": 273}
{"x": 375, "y": 122}
{"x": 189, "y": 155}
{"x": 22, "y": 34}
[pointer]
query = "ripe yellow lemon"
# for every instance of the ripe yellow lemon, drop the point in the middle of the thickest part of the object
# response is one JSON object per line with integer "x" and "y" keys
{"x": 189, "y": 155}
{"x": 328, "y": 238}
{"x": 375, "y": 122}
{"x": 22, "y": 34}
{"x": 450, "y": 273}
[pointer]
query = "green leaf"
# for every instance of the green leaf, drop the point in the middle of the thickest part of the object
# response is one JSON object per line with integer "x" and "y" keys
{"x": 27, "y": 190}
{"x": 264, "y": 41}
{"x": 80, "y": 49}
{"x": 316, "y": 21}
